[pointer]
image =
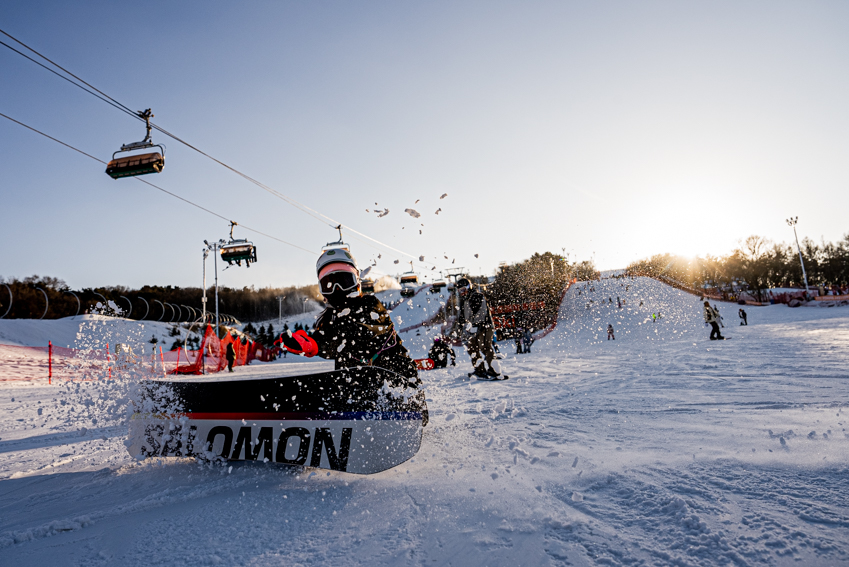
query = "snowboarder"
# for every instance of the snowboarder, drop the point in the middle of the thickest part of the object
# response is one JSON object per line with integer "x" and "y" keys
{"x": 231, "y": 356}
{"x": 610, "y": 332}
{"x": 475, "y": 321}
{"x": 440, "y": 353}
{"x": 742, "y": 315}
{"x": 528, "y": 340}
{"x": 719, "y": 317}
{"x": 712, "y": 318}
{"x": 354, "y": 329}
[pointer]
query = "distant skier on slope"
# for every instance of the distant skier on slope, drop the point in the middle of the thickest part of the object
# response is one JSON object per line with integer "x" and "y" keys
{"x": 440, "y": 352}
{"x": 475, "y": 321}
{"x": 230, "y": 355}
{"x": 610, "y": 334}
{"x": 528, "y": 339}
{"x": 354, "y": 329}
{"x": 743, "y": 319}
{"x": 712, "y": 318}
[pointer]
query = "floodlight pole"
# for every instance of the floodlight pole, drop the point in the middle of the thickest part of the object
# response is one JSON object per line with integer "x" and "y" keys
{"x": 203, "y": 301}
{"x": 217, "y": 321}
{"x": 792, "y": 222}
{"x": 214, "y": 247}
{"x": 280, "y": 299}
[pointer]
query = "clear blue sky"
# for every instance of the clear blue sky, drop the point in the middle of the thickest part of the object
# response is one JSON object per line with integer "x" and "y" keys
{"x": 613, "y": 130}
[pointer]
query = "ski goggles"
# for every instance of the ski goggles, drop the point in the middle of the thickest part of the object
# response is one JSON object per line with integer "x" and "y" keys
{"x": 343, "y": 278}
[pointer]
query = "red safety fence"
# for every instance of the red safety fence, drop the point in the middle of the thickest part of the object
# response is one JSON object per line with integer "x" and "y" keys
{"x": 27, "y": 364}
{"x": 212, "y": 354}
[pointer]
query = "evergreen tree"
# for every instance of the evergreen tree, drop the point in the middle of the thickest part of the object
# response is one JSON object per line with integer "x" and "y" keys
{"x": 270, "y": 337}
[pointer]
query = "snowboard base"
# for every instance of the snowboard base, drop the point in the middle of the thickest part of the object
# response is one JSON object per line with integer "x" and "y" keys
{"x": 489, "y": 378}
{"x": 358, "y": 420}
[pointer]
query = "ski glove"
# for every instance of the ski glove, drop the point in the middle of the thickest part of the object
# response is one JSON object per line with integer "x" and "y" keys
{"x": 299, "y": 343}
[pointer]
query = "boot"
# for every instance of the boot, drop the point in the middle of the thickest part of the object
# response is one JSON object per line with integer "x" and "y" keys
{"x": 480, "y": 371}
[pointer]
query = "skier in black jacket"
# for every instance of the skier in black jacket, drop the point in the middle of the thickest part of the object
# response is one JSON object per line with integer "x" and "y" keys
{"x": 475, "y": 322}
{"x": 440, "y": 352}
{"x": 354, "y": 329}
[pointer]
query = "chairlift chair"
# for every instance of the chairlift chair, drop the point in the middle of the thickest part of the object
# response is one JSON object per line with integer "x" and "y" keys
{"x": 367, "y": 286}
{"x": 238, "y": 250}
{"x": 137, "y": 164}
{"x": 409, "y": 282}
{"x": 338, "y": 244}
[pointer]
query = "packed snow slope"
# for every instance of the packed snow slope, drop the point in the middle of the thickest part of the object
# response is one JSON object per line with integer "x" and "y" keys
{"x": 658, "y": 448}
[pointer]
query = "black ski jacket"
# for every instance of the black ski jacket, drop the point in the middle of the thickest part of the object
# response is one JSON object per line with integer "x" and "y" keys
{"x": 439, "y": 354}
{"x": 360, "y": 333}
{"x": 474, "y": 309}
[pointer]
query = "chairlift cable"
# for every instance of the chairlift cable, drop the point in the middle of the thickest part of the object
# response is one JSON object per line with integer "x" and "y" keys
{"x": 201, "y": 207}
{"x": 112, "y": 102}
{"x": 107, "y": 100}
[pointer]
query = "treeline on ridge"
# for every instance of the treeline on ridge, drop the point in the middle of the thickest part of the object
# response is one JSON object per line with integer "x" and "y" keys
{"x": 759, "y": 262}
{"x": 246, "y": 304}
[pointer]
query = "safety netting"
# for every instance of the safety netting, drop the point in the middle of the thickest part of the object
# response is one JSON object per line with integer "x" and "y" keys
{"x": 212, "y": 355}
{"x": 48, "y": 363}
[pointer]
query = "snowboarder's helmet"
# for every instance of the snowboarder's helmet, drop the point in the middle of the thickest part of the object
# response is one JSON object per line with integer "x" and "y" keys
{"x": 334, "y": 255}
{"x": 463, "y": 283}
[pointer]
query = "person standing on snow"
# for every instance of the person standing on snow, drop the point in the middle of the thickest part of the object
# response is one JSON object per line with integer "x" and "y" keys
{"x": 712, "y": 318}
{"x": 742, "y": 315}
{"x": 354, "y": 329}
{"x": 528, "y": 339}
{"x": 231, "y": 356}
{"x": 610, "y": 332}
{"x": 440, "y": 352}
{"x": 475, "y": 321}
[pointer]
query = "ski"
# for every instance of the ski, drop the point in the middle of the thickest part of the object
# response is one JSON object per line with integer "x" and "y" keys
{"x": 359, "y": 420}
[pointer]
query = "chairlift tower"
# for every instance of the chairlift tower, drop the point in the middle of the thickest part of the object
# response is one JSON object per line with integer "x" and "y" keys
{"x": 792, "y": 222}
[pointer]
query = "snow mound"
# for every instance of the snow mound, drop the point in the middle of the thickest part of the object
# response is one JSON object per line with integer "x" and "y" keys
{"x": 650, "y": 311}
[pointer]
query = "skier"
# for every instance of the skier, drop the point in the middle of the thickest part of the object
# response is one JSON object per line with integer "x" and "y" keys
{"x": 354, "y": 329}
{"x": 528, "y": 340}
{"x": 475, "y": 320}
{"x": 518, "y": 339}
{"x": 712, "y": 317}
{"x": 742, "y": 315}
{"x": 231, "y": 356}
{"x": 610, "y": 332}
{"x": 440, "y": 352}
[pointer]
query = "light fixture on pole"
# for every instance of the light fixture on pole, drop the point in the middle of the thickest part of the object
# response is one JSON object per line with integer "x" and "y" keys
{"x": 792, "y": 222}
{"x": 215, "y": 247}
{"x": 203, "y": 301}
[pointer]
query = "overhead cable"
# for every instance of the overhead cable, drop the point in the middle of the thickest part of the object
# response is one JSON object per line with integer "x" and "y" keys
{"x": 201, "y": 207}
{"x": 123, "y": 108}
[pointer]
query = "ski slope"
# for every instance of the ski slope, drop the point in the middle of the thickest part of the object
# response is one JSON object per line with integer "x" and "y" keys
{"x": 658, "y": 448}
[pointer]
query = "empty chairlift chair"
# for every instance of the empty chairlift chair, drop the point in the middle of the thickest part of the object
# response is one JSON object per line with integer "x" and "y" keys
{"x": 137, "y": 164}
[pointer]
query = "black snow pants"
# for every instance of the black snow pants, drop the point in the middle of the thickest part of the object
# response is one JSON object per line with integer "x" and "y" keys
{"x": 714, "y": 331}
